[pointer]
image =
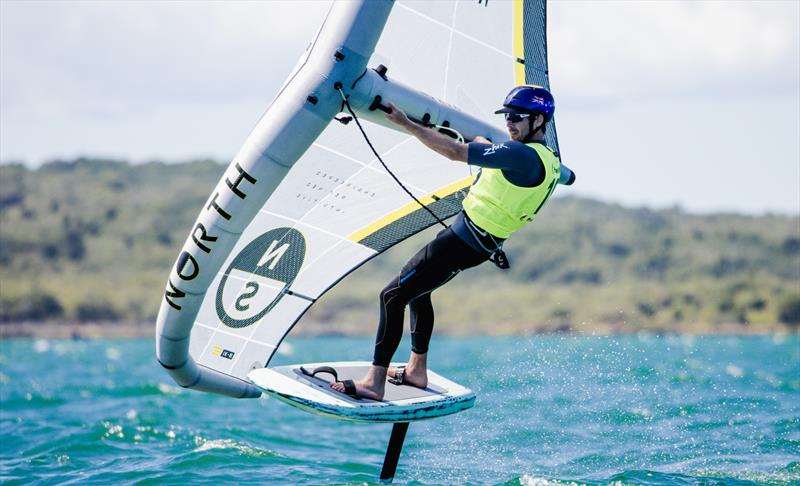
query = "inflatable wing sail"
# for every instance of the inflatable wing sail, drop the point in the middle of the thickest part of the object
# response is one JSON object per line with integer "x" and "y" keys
{"x": 305, "y": 202}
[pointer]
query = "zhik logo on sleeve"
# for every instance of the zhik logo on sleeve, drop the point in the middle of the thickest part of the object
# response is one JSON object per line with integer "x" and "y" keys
{"x": 494, "y": 148}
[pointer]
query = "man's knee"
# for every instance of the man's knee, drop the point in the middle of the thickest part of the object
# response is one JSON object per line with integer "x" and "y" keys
{"x": 393, "y": 295}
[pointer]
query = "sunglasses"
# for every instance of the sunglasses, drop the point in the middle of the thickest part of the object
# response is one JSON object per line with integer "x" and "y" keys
{"x": 516, "y": 117}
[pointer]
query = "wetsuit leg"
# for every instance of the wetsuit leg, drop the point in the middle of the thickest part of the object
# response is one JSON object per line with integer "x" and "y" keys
{"x": 421, "y": 323}
{"x": 433, "y": 266}
{"x": 391, "y": 318}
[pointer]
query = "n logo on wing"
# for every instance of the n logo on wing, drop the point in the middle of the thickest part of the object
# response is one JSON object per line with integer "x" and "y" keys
{"x": 259, "y": 276}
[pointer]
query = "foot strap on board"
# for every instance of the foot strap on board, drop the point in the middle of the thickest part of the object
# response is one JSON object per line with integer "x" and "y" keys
{"x": 350, "y": 389}
{"x": 320, "y": 369}
{"x": 349, "y": 386}
{"x": 399, "y": 377}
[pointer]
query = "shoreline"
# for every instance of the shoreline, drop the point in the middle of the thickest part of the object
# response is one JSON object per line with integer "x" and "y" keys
{"x": 132, "y": 330}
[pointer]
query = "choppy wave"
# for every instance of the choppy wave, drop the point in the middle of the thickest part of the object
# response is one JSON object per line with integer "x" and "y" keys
{"x": 550, "y": 411}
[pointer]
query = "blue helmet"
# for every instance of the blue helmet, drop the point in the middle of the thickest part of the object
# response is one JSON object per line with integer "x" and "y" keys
{"x": 529, "y": 98}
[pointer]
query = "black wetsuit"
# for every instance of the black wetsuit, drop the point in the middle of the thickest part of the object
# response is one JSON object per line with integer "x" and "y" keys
{"x": 463, "y": 245}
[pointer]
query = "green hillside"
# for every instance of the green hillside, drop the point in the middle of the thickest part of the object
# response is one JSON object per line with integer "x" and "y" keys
{"x": 94, "y": 240}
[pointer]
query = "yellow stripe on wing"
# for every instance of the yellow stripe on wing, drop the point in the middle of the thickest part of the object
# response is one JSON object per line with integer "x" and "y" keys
{"x": 410, "y": 208}
{"x": 519, "y": 43}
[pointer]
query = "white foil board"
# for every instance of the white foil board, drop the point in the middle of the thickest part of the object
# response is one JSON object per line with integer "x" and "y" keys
{"x": 402, "y": 403}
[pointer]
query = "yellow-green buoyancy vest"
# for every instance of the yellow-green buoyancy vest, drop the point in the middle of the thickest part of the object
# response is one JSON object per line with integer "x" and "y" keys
{"x": 500, "y": 207}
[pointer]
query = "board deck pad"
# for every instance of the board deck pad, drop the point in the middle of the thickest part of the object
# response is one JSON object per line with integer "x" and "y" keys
{"x": 401, "y": 403}
{"x": 393, "y": 392}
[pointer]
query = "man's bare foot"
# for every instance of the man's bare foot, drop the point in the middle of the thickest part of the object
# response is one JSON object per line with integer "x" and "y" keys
{"x": 417, "y": 377}
{"x": 371, "y": 386}
{"x": 416, "y": 372}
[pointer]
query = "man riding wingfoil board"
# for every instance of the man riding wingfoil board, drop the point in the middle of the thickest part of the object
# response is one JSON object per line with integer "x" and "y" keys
{"x": 516, "y": 178}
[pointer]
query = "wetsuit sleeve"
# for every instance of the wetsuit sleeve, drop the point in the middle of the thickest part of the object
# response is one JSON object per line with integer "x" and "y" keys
{"x": 521, "y": 164}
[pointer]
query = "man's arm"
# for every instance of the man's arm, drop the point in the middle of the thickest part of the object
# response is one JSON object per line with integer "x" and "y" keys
{"x": 441, "y": 144}
{"x": 448, "y": 147}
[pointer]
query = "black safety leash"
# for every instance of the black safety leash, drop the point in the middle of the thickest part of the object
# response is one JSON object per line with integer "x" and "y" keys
{"x": 355, "y": 118}
{"x": 497, "y": 255}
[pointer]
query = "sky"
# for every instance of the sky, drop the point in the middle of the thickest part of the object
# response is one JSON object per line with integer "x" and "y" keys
{"x": 659, "y": 103}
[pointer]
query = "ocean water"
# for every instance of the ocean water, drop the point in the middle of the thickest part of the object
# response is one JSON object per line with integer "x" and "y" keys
{"x": 634, "y": 409}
